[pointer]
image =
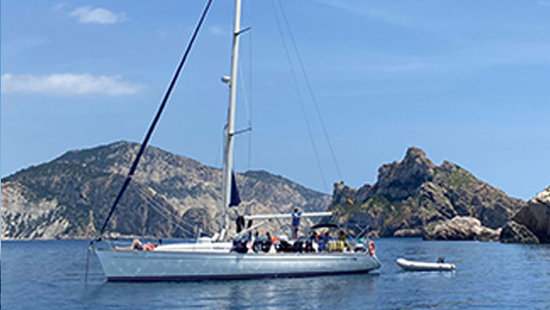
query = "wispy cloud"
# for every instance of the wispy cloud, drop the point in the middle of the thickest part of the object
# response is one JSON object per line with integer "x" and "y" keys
{"x": 89, "y": 15}
{"x": 21, "y": 45}
{"x": 368, "y": 9}
{"x": 163, "y": 34}
{"x": 516, "y": 52}
{"x": 218, "y": 30}
{"x": 67, "y": 84}
{"x": 59, "y": 7}
{"x": 398, "y": 69}
{"x": 392, "y": 68}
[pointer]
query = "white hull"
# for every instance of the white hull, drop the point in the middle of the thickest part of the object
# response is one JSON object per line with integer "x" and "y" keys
{"x": 424, "y": 266}
{"x": 175, "y": 266}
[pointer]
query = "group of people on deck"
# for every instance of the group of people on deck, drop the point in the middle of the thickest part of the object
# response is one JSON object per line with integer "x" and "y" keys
{"x": 314, "y": 243}
{"x": 269, "y": 244}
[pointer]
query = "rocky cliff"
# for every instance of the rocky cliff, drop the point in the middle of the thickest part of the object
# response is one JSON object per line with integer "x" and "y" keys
{"x": 170, "y": 195}
{"x": 415, "y": 194}
{"x": 532, "y": 223}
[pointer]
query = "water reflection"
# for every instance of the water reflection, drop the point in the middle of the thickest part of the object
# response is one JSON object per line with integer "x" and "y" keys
{"x": 423, "y": 275}
{"x": 293, "y": 293}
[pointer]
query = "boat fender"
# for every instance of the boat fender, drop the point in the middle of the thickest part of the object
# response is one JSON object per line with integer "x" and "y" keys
{"x": 372, "y": 248}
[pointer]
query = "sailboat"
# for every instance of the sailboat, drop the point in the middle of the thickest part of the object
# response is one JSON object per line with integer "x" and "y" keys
{"x": 216, "y": 257}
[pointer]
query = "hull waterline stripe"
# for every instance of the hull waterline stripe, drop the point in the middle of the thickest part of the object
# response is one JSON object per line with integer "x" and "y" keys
{"x": 230, "y": 277}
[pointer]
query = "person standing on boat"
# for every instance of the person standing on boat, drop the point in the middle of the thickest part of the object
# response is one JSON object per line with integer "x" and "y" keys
{"x": 295, "y": 223}
{"x": 323, "y": 240}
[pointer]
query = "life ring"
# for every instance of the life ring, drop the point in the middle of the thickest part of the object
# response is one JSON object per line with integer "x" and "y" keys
{"x": 372, "y": 248}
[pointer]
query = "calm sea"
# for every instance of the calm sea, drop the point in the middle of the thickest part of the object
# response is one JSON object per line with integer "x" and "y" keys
{"x": 50, "y": 275}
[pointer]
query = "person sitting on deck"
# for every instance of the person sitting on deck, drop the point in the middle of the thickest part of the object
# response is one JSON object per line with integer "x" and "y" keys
{"x": 137, "y": 246}
{"x": 267, "y": 244}
{"x": 324, "y": 238}
{"x": 343, "y": 238}
{"x": 257, "y": 243}
{"x": 240, "y": 246}
{"x": 312, "y": 244}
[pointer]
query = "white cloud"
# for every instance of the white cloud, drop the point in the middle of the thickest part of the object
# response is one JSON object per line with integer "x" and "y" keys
{"x": 89, "y": 15}
{"x": 67, "y": 84}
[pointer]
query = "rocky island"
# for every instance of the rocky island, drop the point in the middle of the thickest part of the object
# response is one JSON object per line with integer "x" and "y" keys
{"x": 415, "y": 197}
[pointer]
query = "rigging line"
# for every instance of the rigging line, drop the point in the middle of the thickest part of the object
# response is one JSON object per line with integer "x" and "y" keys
{"x": 87, "y": 266}
{"x": 157, "y": 116}
{"x": 162, "y": 210}
{"x": 152, "y": 200}
{"x": 250, "y": 45}
{"x": 166, "y": 213}
{"x": 247, "y": 108}
{"x": 189, "y": 229}
{"x": 311, "y": 93}
{"x": 218, "y": 160}
{"x": 300, "y": 97}
{"x": 249, "y": 155}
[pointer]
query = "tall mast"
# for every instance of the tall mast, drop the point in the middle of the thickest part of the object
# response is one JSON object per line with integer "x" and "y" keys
{"x": 230, "y": 129}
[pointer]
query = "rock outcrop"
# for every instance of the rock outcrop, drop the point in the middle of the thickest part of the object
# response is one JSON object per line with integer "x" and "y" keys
{"x": 414, "y": 193}
{"x": 513, "y": 232}
{"x": 407, "y": 233}
{"x": 460, "y": 228}
{"x": 531, "y": 223}
{"x": 169, "y": 196}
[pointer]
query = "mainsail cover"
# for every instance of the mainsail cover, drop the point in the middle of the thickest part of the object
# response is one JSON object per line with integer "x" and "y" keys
{"x": 235, "y": 197}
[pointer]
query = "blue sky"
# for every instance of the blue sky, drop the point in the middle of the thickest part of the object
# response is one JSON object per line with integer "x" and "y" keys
{"x": 467, "y": 81}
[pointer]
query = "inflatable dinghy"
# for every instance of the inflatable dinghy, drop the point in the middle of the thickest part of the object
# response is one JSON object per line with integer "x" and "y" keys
{"x": 408, "y": 265}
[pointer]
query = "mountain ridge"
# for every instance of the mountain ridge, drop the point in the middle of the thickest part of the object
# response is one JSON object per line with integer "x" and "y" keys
{"x": 175, "y": 196}
{"x": 69, "y": 196}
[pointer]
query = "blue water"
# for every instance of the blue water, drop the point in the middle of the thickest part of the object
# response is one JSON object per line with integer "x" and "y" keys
{"x": 50, "y": 275}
